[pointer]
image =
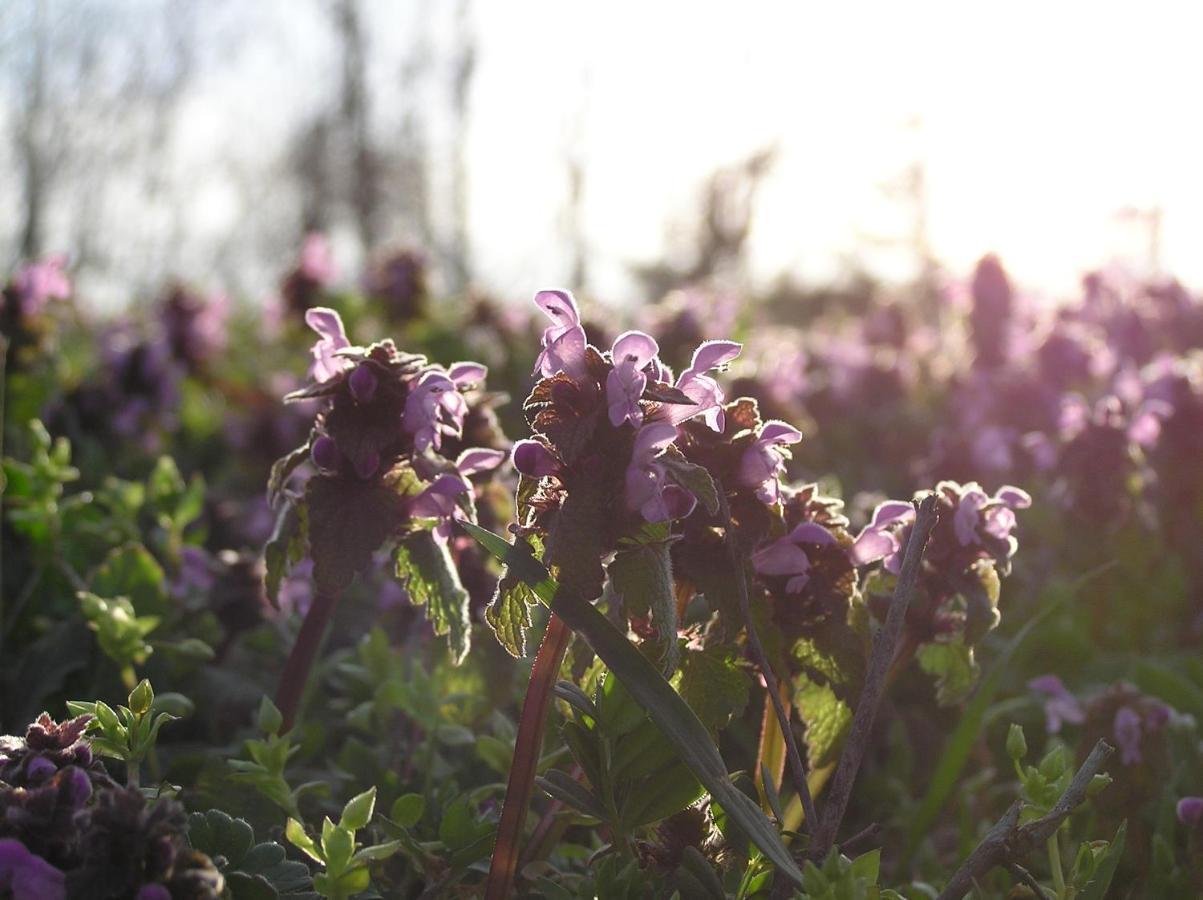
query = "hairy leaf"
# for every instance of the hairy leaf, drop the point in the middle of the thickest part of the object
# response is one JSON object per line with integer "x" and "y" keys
{"x": 425, "y": 566}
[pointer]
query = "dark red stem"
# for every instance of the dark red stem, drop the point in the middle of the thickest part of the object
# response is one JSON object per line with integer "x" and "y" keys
{"x": 527, "y": 747}
{"x": 300, "y": 660}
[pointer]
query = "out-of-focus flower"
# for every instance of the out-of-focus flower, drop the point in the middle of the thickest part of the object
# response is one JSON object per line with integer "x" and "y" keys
{"x": 28, "y": 877}
{"x": 332, "y": 337}
{"x": 564, "y": 340}
{"x": 625, "y": 383}
{"x": 1190, "y": 811}
{"x": 317, "y": 260}
{"x": 37, "y": 283}
{"x": 763, "y": 463}
{"x": 1128, "y": 729}
{"x": 647, "y": 487}
{"x": 786, "y": 556}
{"x": 1060, "y": 706}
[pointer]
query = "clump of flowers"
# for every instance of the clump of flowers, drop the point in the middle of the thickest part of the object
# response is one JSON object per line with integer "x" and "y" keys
{"x": 24, "y": 302}
{"x": 381, "y": 447}
{"x": 68, "y": 830}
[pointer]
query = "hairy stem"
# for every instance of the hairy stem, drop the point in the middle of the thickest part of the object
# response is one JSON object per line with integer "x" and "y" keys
{"x": 885, "y": 648}
{"x": 519, "y": 787}
{"x": 296, "y": 671}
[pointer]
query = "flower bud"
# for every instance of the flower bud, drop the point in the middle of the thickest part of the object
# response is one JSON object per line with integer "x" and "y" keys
{"x": 1097, "y": 783}
{"x": 533, "y": 459}
{"x": 325, "y": 453}
{"x": 1017, "y": 744}
{"x": 1190, "y": 811}
{"x": 363, "y": 383}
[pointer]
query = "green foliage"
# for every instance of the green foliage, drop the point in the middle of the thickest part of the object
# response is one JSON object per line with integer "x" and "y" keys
{"x": 641, "y": 574}
{"x": 952, "y": 665}
{"x": 425, "y": 567}
{"x": 129, "y": 732}
{"x": 346, "y": 862}
{"x": 253, "y": 871}
{"x": 269, "y": 756}
{"x": 120, "y": 632}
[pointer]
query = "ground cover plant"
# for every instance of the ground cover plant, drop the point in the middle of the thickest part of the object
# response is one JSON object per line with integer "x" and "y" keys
{"x": 863, "y": 595}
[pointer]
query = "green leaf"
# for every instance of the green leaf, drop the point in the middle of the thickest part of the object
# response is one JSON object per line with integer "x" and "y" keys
{"x": 358, "y": 811}
{"x": 563, "y": 787}
{"x": 286, "y": 546}
{"x": 429, "y": 574}
{"x": 643, "y": 577}
{"x": 131, "y": 571}
{"x": 665, "y": 706}
{"x": 954, "y": 668}
{"x": 141, "y": 698}
{"x": 295, "y": 832}
{"x": 1105, "y": 870}
{"x": 376, "y": 852}
{"x": 714, "y": 685}
{"x": 508, "y": 614}
{"x": 270, "y": 717}
{"x": 827, "y": 720}
{"x": 407, "y": 810}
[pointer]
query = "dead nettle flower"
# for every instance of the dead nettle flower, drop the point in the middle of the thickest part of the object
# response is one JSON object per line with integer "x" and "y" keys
{"x": 25, "y": 876}
{"x": 379, "y": 444}
{"x": 1060, "y": 706}
{"x": 643, "y": 407}
{"x": 46, "y": 748}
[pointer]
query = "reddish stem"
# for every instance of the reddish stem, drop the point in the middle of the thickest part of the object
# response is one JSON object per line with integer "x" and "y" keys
{"x": 527, "y": 746}
{"x": 300, "y": 660}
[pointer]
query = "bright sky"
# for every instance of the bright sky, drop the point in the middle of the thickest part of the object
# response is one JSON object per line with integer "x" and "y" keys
{"x": 1036, "y": 124}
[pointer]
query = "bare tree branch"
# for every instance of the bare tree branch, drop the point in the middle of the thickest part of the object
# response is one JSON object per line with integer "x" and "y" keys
{"x": 1006, "y": 843}
{"x": 885, "y": 647}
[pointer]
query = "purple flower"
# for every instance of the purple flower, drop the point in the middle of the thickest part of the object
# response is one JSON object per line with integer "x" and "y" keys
{"x": 1060, "y": 705}
{"x": 994, "y": 515}
{"x": 38, "y": 283}
{"x": 1127, "y": 734}
{"x": 435, "y": 407}
{"x": 332, "y": 338}
{"x": 763, "y": 462}
{"x": 625, "y": 384}
{"x": 647, "y": 486}
{"x": 1190, "y": 811}
{"x": 564, "y": 340}
{"x": 153, "y": 892}
{"x": 534, "y": 459}
{"x": 878, "y": 539}
{"x": 28, "y": 877}
{"x": 701, "y": 388}
{"x": 785, "y": 556}
{"x": 441, "y": 497}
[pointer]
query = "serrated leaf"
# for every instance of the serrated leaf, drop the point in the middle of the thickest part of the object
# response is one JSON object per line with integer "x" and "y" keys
{"x": 714, "y": 686}
{"x": 952, "y": 664}
{"x": 286, "y": 546}
{"x": 281, "y": 469}
{"x": 827, "y": 720}
{"x": 508, "y": 614}
{"x": 425, "y": 566}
